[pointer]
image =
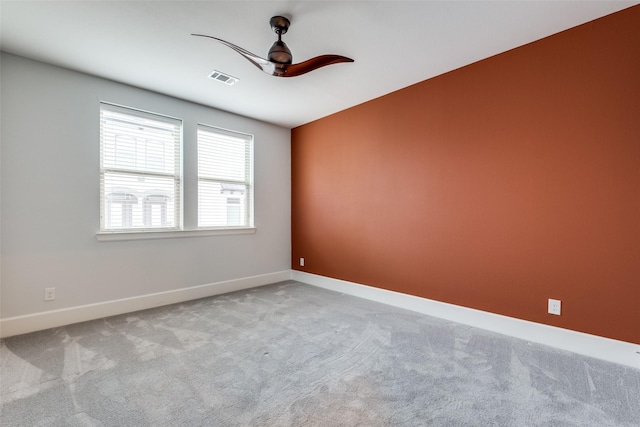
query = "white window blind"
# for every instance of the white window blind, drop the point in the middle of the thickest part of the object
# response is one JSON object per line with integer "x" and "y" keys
{"x": 225, "y": 169}
{"x": 140, "y": 170}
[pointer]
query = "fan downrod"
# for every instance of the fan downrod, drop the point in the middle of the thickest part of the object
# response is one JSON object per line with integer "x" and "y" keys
{"x": 279, "y": 24}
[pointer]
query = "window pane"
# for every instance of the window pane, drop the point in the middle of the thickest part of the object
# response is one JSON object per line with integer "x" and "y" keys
{"x": 219, "y": 206}
{"x": 221, "y": 157}
{"x": 138, "y": 201}
{"x": 137, "y": 143}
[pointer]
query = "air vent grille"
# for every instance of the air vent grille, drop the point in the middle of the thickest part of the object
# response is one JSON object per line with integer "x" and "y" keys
{"x": 223, "y": 78}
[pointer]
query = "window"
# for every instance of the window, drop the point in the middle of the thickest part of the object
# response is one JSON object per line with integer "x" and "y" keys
{"x": 140, "y": 170}
{"x": 225, "y": 190}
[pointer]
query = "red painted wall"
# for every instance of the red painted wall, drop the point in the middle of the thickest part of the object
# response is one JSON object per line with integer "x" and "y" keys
{"x": 495, "y": 186}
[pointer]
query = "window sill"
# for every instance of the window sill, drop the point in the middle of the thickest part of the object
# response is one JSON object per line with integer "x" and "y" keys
{"x": 173, "y": 234}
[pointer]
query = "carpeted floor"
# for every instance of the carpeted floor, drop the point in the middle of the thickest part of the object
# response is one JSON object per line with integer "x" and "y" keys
{"x": 290, "y": 354}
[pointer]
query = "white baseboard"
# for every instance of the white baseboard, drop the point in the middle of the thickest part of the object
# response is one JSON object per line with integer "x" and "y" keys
{"x": 615, "y": 351}
{"x": 66, "y": 316}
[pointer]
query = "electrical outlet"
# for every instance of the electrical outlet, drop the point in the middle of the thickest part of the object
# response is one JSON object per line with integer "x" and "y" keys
{"x": 49, "y": 294}
{"x": 301, "y": 262}
{"x": 554, "y": 306}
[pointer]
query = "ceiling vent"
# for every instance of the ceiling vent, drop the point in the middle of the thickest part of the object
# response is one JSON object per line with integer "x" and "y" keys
{"x": 223, "y": 78}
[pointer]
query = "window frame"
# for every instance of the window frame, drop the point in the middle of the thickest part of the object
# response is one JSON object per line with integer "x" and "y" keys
{"x": 247, "y": 182}
{"x": 133, "y": 170}
{"x": 179, "y": 231}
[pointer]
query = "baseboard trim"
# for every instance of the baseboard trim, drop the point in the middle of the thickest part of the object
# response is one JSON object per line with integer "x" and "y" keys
{"x": 66, "y": 316}
{"x": 615, "y": 351}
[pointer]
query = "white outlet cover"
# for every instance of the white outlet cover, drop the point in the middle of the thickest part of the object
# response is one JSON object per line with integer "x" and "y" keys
{"x": 554, "y": 306}
{"x": 301, "y": 262}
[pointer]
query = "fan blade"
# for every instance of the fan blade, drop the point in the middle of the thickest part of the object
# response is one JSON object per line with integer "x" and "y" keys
{"x": 313, "y": 64}
{"x": 264, "y": 64}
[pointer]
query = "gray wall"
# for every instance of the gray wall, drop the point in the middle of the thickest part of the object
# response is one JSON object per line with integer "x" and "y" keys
{"x": 50, "y": 197}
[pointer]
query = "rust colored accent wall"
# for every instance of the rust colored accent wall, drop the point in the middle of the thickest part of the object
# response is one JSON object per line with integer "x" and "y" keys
{"x": 495, "y": 186}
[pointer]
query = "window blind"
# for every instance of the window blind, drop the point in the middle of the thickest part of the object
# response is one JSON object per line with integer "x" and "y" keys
{"x": 140, "y": 170}
{"x": 225, "y": 169}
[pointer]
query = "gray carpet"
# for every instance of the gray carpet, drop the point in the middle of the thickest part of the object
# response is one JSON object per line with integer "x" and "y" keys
{"x": 289, "y": 354}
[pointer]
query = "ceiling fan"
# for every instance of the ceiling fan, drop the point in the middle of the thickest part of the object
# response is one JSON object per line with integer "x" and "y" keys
{"x": 279, "y": 62}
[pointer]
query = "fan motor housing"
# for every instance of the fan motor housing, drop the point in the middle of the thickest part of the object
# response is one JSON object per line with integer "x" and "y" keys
{"x": 280, "y": 53}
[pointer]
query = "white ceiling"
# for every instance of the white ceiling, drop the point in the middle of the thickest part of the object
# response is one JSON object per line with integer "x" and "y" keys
{"x": 394, "y": 44}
